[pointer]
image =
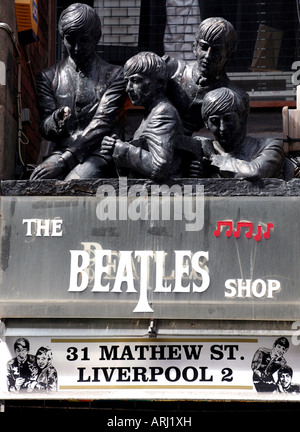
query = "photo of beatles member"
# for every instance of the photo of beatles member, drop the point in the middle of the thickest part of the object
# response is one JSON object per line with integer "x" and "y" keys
{"x": 31, "y": 373}
{"x": 284, "y": 383}
{"x": 266, "y": 362}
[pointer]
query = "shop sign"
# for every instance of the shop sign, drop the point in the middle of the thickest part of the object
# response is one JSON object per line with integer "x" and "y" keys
{"x": 169, "y": 256}
{"x": 246, "y": 368}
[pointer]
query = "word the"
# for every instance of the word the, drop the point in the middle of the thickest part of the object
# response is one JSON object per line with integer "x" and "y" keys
{"x": 43, "y": 227}
{"x": 243, "y": 288}
{"x": 239, "y": 226}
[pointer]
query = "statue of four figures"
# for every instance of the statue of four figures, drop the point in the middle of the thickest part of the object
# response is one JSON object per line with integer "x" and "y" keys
{"x": 83, "y": 102}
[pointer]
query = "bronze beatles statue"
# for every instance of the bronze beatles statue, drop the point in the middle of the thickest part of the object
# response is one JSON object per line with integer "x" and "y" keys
{"x": 82, "y": 100}
{"x": 152, "y": 151}
{"x": 233, "y": 153}
{"x": 214, "y": 46}
{"x": 205, "y": 96}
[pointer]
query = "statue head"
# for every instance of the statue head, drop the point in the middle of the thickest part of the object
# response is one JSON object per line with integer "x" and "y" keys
{"x": 146, "y": 77}
{"x": 214, "y": 45}
{"x": 223, "y": 112}
{"x": 80, "y": 28}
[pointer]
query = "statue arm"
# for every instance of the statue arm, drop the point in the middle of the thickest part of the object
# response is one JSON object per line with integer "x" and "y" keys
{"x": 150, "y": 164}
{"x": 267, "y": 163}
{"x": 152, "y": 153}
{"x": 52, "y": 118}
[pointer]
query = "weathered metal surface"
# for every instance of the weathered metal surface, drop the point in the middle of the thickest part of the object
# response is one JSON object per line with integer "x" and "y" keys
{"x": 213, "y": 187}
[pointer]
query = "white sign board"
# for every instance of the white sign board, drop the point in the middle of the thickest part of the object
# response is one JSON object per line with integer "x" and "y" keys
{"x": 240, "y": 368}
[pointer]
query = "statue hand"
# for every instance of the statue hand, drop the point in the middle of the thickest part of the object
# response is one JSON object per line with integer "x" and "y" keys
{"x": 196, "y": 169}
{"x": 108, "y": 145}
{"x": 218, "y": 160}
{"x": 61, "y": 115}
{"x": 48, "y": 170}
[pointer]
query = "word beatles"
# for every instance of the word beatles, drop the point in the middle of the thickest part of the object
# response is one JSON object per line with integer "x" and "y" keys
{"x": 179, "y": 271}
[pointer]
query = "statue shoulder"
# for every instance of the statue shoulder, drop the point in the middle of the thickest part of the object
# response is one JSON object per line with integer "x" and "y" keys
{"x": 47, "y": 74}
{"x": 110, "y": 71}
{"x": 177, "y": 68}
{"x": 267, "y": 142}
{"x": 51, "y": 72}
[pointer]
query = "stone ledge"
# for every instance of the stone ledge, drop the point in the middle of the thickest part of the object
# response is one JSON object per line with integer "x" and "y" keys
{"x": 212, "y": 187}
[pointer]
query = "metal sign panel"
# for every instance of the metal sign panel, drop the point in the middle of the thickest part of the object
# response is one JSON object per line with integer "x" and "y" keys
{"x": 243, "y": 368}
{"x": 150, "y": 256}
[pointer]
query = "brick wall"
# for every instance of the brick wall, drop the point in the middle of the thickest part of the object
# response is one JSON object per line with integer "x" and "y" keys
{"x": 174, "y": 22}
{"x": 120, "y": 21}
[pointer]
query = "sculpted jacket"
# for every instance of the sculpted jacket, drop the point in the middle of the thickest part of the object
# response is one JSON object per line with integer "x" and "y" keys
{"x": 256, "y": 158}
{"x": 152, "y": 152}
{"x": 96, "y": 97}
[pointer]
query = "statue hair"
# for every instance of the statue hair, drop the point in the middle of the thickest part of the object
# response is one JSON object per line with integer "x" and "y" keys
{"x": 147, "y": 63}
{"x": 78, "y": 17}
{"x": 215, "y": 29}
{"x": 221, "y": 101}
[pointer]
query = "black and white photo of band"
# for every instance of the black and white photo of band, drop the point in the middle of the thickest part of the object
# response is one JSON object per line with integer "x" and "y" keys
{"x": 31, "y": 373}
{"x": 271, "y": 372}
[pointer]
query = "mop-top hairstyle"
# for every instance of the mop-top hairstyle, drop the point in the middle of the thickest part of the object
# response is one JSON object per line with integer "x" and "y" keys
{"x": 216, "y": 30}
{"x": 45, "y": 350}
{"x": 283, "y": 342}
{"x": 221, "y": 101}
{"x": 149, "y": 64}
{"x": 285, "y": 369}
{"x": 22, "y": 342}
{"x": 80, "y": 17}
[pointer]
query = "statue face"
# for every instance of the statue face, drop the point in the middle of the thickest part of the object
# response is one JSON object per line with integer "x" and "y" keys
{"x": 140, "y": 89}
{"x": 226, "y": 128}
{"x": 211, "y": 58}
{"x": 80, "y": 46}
